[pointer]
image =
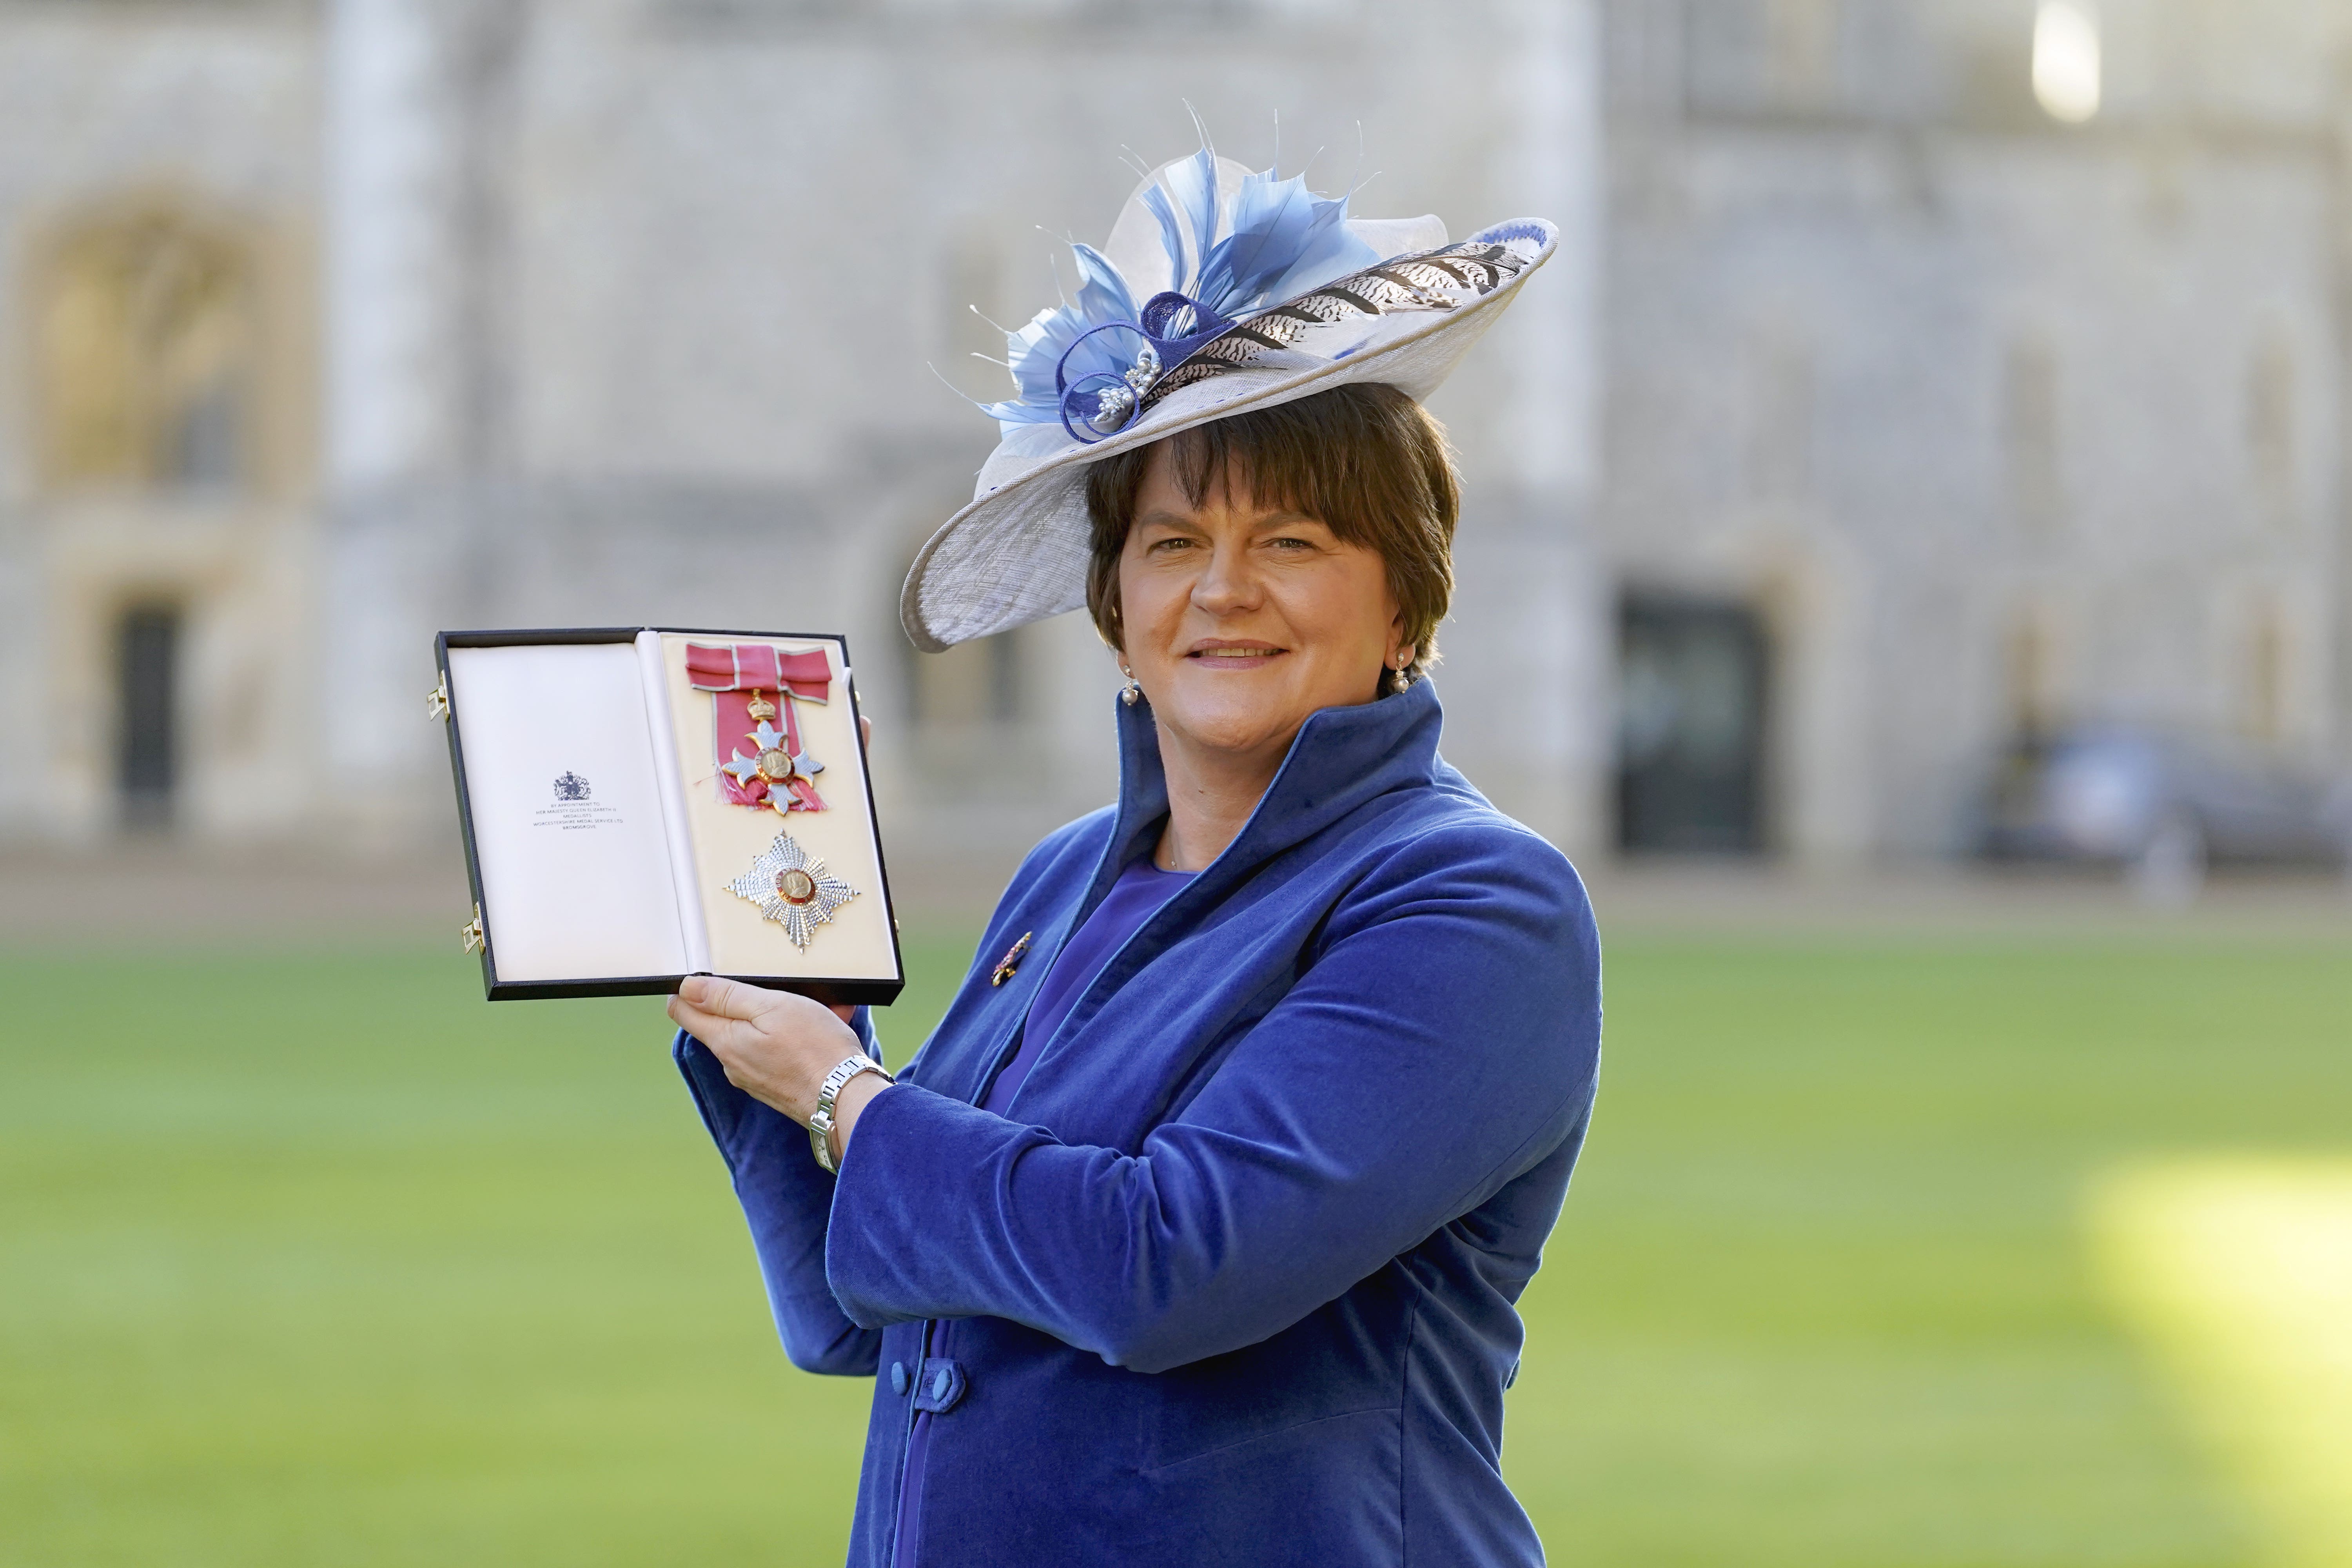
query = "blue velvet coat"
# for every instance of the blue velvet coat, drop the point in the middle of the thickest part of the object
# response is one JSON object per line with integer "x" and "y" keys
{"x": 1233, "y": 1283}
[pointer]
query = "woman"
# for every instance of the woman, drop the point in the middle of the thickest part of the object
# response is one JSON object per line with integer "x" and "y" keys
{"x": 1192, "y": 1234}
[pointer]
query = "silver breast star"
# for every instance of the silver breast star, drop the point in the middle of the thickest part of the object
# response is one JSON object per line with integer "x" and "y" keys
{"x": 792, "y": 890}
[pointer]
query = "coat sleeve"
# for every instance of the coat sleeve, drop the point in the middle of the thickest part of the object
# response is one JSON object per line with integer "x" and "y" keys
{"x": 785, "y": 1195}
{"x": 1444, "y": 1040}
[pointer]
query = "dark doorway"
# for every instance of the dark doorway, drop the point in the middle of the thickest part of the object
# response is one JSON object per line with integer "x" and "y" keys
{"x": 1692, "y": 679}
{"x": 147, "y": 746}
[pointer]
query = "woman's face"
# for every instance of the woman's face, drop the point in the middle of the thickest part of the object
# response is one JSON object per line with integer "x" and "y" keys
{"x": 1241, "y": 621}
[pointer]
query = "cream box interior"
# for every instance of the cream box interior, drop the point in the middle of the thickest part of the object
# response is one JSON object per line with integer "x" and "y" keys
{"x": 603, "y": 851}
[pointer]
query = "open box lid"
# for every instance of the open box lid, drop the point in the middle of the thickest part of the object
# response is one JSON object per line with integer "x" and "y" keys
{"x": 607, "y": 853}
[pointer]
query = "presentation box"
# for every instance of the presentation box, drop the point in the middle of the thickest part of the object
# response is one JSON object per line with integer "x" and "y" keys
{"x": 640, "y": 804}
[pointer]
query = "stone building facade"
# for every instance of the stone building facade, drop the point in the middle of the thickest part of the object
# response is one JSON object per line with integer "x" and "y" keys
{"x": 1981, "y": 420}
{"x": 1872, "y": 416}
{"x": 625, "y": 311}
{"x": 159, "y": 500}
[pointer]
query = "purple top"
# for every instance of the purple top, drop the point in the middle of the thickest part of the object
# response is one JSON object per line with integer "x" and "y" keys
{"x": 1134, "y": 899}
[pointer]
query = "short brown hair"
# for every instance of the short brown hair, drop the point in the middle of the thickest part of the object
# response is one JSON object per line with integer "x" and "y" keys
{"x": 1364, "y": 460}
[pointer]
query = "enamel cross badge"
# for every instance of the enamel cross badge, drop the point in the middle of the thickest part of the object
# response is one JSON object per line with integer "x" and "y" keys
{"x": 751, "y": 686}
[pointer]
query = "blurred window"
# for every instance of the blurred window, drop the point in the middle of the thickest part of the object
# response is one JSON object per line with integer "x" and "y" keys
{"x": 1691, "y": 726}
{"x": 2031, "y": 656}
{"x": 1644, "y": 45}
{"x": 147, "y": 741}
{"x": 1752, "y": 57}
{"x": 973, "y": 309}
{"x": 2270, "y": 430}
{"x": 2265, "y": 677}
{"x": 2029, "y": 432}
{"x": 977, "y": 682}
{"x": 145, "y": 344}
{"x": 1779, "y": 416}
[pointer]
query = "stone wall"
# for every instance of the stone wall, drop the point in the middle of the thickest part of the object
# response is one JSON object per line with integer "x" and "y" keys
{"x": 159, "y": 191}
{"x": 2001, "y": 421}
{"x": 700, "y": 271}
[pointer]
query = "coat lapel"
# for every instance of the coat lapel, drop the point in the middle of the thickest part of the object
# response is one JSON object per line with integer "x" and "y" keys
{"x": 1342, "y": 760}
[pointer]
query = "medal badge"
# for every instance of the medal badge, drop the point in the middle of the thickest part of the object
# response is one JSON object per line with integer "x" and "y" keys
{"x": 751, "y": 686}
{"x": 792, "y": 888}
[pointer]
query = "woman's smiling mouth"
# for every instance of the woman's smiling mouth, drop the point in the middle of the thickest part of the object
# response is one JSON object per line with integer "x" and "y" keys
{"x": 1222, "y": 655}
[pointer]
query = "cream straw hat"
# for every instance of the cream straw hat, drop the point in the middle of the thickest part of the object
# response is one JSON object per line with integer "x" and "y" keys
{"x": 1253, "y": 292}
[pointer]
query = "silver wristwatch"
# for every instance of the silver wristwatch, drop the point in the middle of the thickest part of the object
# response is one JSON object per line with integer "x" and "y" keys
{"x": 820, "y": 1122}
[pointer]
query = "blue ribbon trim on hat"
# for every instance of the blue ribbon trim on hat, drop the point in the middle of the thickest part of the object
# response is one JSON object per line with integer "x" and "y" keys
{"x": 1174, "y": 327}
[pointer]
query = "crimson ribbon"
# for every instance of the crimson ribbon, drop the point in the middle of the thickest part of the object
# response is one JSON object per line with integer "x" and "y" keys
{"x": 736, "y": 673}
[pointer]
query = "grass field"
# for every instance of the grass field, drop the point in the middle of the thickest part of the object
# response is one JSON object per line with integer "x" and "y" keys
{"x": 319, "y": 1260}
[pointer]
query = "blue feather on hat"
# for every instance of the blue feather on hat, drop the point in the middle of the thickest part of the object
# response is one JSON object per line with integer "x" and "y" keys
{"x": 1275, "y": 239}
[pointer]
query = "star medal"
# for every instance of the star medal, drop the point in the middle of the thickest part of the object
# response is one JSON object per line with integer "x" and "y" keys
{"x": 792, "y": 890}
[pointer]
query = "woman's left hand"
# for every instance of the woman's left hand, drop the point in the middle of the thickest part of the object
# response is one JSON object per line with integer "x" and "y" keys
{"x": 776, "y": 1047}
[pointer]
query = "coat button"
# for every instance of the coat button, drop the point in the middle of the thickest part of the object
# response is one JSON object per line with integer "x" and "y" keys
{"x": 899, "y": 1377}
{"x": 939, "y": 1384}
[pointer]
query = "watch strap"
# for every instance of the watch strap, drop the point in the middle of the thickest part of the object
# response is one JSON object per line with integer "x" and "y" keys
{"x": 820, "y": 1122}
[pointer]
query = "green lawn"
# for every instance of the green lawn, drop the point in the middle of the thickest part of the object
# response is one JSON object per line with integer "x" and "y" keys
{"x": 319, "y": 1260}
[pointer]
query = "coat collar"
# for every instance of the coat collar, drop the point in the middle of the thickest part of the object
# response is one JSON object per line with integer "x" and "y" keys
{"x": 1341, "y": 758}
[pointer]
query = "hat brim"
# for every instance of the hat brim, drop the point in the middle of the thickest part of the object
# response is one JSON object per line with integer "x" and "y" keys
{"x": 1019, "y": 552}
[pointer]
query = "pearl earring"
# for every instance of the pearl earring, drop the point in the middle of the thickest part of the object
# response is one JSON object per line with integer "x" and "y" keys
{"x": 1131, "y": 692}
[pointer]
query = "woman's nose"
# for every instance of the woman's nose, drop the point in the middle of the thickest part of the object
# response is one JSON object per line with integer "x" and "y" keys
{"x": 1227, "y": 584}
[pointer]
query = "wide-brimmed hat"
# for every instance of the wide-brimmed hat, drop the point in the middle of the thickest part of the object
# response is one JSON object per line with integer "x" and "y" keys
{"x": 1252, "y": 291}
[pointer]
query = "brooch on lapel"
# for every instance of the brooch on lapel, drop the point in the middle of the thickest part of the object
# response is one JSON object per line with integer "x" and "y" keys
{"x": 1010, "y": 964}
